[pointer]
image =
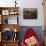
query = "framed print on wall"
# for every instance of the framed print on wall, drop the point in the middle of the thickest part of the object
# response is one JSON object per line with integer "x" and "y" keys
{"x": 30, "y": 13}
{"x": 5, "y": 12}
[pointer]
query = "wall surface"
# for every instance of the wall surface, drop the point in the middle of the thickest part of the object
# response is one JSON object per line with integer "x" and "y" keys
{"x": 26, "y": 4}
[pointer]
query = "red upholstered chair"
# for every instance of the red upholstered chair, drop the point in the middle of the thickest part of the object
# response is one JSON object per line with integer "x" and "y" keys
{"x": 28, "y": 34}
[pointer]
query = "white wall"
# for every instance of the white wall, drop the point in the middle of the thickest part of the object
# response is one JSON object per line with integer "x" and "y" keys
{"x": 7, "y": 3}
{"x": 26, "y": 4}
{"x": 32, "y": 4}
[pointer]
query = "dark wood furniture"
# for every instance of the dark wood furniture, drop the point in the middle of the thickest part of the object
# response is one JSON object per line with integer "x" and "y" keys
{"x": 10, "y": 43}
{"x": 4, "y": 12}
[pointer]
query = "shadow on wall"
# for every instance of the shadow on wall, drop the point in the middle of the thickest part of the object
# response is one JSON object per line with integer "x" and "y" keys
{"x": 37, "y": 29}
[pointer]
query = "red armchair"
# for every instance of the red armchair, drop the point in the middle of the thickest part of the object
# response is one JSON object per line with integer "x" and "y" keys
{"x": 29, "y": 36}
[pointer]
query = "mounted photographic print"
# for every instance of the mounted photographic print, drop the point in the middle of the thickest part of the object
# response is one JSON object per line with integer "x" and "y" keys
{"x": 5, "y": 12}
{"x": 30, "y": 13}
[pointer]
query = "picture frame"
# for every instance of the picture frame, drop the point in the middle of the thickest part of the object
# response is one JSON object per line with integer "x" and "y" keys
{"x": 5, "y": 12}
{"x": 30, "y": 13}
{"x": 13, "y": 12}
